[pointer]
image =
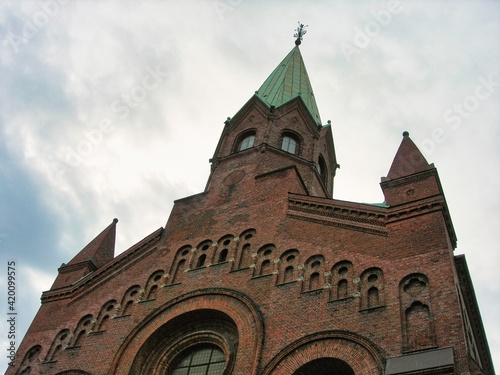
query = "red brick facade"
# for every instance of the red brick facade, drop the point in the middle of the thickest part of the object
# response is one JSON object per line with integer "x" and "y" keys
{"x": 268, "y": 269}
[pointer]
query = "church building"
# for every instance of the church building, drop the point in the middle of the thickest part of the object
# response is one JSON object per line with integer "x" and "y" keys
{"x": 265, "y": 273}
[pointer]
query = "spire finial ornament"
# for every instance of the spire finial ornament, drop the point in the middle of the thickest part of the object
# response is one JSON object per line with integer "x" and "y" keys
{"x": 300, "y": 31}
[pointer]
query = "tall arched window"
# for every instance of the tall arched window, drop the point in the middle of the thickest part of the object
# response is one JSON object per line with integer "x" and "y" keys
{"x": 246, "y": 141}
{"x": 322, "y": 170}
{"x": 290, "y": 144}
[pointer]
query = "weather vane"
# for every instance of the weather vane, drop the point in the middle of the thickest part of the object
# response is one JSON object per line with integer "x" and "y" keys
{"x": 300, "y": 31}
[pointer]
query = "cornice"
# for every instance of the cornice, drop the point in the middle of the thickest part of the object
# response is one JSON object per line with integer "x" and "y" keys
{"x": 359, "y": 216}
{"x": 389, "y": 184}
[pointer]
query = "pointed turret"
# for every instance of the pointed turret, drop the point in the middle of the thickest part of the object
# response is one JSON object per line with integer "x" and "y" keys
{"x": 412, "y": 181}
{"x": 288, "y": 81}
{"x": 410, "y": 177}
{"x": 408, "y": 160}
{"x": 97, "y": 253}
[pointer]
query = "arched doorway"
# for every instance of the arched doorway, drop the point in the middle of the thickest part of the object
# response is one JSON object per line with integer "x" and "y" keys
{"x": 327, "y": 353}
{"x": 325, "y": 366}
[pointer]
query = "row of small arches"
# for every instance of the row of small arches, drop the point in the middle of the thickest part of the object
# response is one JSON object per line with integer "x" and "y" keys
{"x": 240, "y": 253}
{"x": 418, "y": 326}
{"x": 313, "y": 275}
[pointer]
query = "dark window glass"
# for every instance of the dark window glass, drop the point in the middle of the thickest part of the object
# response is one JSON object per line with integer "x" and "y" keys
{"x": 322, "y": 169}
{"x": 223, "y": 256}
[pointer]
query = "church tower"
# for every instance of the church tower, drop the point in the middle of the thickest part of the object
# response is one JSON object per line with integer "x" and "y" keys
{"x": 265, "y": 273}
{"x": 279, "y": 127}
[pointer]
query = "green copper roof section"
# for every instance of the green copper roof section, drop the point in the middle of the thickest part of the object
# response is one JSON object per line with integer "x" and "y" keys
{"x": 288, "y": 81}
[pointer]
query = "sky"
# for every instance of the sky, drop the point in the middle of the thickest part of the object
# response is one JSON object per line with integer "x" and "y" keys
{"x": 113, "y": 109}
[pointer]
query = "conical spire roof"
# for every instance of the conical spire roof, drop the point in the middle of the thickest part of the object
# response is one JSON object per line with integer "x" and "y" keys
{"x": 288, "y": 81}
{"x": 408, "y": 160}
{"x": 100, "y": 250}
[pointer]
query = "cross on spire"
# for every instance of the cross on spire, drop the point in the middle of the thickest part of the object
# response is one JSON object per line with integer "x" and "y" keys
{"x": 300, "y": 31}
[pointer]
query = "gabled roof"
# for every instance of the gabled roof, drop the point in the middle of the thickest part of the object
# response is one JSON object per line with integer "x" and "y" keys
{"x": 288, "y": 81}
{"x": 408, "y": 160}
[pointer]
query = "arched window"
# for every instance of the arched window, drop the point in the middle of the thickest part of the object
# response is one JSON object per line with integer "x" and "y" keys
{"x": 373, "y": 299}
{"x": 263, "y": 262}
{"x": 246, "y": 141}
{"x": 107, "y": 312}
{"x": 223, "y": 255}
{"x": 322, "y": 169}
{"x": 61, "y": 341}
{"x": 372, "y": 288}
{"x": 245, "y": 254}
{"x": 204, "y": 254}
{"x": 224, "y": 245}
{"x": 418, "y": 326}
{"x": 180, "y": 264}
{"x": 82, "y": 329}
{"x": 313, "y": 273}
{"x": 128, "y": 300}
{"x": 288, "y": 266}
{"x": 201, "y": 359}
{"x": 30, "y": 358}
{"x": 290, "y": 144}
{"x": 288, "y": 275}
{"x": 342, "y": 277}
{"x": 314, "y": 282}
{"x": 201, "y": 260}
{"x": 342, "y": 289}
{"x": 153, "y": 283}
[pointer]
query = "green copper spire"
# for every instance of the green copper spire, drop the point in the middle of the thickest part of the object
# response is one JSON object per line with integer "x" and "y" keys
{"x": 288, "y": 81}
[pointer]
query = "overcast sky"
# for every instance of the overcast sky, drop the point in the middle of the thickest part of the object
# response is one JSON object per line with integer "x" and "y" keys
{"x": 113, "y": 108}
